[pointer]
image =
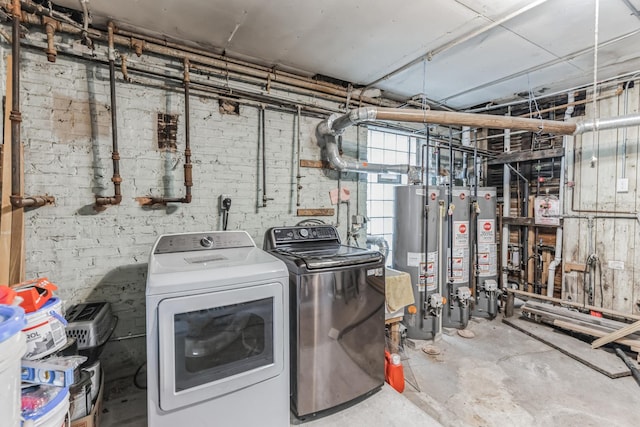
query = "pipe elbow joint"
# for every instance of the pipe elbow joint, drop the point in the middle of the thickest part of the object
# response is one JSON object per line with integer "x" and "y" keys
{"x": 325, "y": 127}
{"x": 30, "y": 202}
{"x": 583, "y": 126}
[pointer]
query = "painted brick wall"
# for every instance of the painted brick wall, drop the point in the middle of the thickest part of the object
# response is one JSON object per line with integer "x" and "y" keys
{"x": 93, "y": 256}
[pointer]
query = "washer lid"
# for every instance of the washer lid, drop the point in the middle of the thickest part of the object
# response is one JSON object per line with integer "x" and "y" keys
{"x": 328, "y": 256}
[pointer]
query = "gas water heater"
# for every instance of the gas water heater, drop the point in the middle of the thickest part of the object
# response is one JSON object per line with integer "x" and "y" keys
{"x": 415, "y": 251}
{"x": 485, "y": 296}
{"x": 455, "y": 263}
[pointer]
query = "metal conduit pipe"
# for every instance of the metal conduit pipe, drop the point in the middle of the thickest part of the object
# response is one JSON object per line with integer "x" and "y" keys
{"x": 188, "y": 167}
{"x": 336, "y": 124}
{"x": 298, "y": 176}
{"x": 17, "y": 199}
{"x": 557, "y": 259}
{"x": 102, "y": 202}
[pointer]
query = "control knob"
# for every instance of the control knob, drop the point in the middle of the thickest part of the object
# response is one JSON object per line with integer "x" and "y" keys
{"x": 304, "y": 233}
{"x": 206, "y": 242}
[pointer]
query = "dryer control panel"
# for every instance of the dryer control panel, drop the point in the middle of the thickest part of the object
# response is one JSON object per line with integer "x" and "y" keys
{"x": 212, "y": 240}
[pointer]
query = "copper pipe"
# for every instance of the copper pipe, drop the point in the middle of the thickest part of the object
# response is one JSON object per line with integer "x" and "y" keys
{"x": 102, "y": 202}
{"x": 188, "y": 178}
{"x": 17, "y": 199}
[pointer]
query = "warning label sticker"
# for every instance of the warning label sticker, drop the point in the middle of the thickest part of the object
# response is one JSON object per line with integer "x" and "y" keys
{"x": 486, "y": 231}
{"x": 458, "y": 265}
{"x": 487, "y": 259}
{"x": 429, "y": 272}
{"x": 461, "y": 234}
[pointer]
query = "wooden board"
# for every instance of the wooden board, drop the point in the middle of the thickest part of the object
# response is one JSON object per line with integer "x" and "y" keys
{"x": 16, "y": 261}
{"x": 616, "y": 335}
{"x": 591, "y": 331}
{"x": 5, "y": 176}
{"x": 531, "y": 242}
{"x": 316, "y": 212}
{"x": 318, "y": 164}
{"x": 606, "y": 363}
{"x": 526, "y": 156}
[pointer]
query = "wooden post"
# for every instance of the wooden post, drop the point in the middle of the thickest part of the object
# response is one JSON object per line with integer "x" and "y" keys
{"x": 531, "y": 262}
{"x": 508, "y": 308}
{"x": 5, "y": 177}
{"x": 16, "y": 261}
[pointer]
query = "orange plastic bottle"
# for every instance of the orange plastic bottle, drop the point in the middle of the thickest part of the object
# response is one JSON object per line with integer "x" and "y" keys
{"x": 393, "y": 371}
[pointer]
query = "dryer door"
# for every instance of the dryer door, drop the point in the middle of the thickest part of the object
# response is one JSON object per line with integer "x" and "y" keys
{"x": 216, "y": 343}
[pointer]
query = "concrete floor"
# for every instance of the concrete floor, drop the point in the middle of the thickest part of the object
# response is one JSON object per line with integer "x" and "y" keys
{"x": 127, "y": 408}
{"x": 501, "y": 377}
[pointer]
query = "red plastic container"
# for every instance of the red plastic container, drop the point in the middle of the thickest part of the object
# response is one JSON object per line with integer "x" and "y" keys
{"x": 7, "y": 295}
{"x": 34, "y": 293}
{"x": 393, "y": 371}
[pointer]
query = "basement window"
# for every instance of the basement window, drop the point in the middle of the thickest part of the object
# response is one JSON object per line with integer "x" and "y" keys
{"x": 167, "y": 132}
{"x": 388, "y": 148}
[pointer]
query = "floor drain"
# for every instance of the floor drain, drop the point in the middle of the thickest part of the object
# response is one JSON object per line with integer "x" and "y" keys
{"x": 431, "y": 350}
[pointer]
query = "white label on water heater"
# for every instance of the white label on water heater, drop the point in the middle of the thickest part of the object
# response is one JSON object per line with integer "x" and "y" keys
{"x": 420, "y": 192}
{"x": 460, "y": 263}
{"x": 460, "y": 234}
{"x": 414, "y": 259}
{"x": 487, "y": 259}
{"x": 429, "y": 272}
{"x": 486, "y": 231}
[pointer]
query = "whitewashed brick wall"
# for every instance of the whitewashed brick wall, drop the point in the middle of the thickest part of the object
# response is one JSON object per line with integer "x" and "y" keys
{"x": 93, "y": 256}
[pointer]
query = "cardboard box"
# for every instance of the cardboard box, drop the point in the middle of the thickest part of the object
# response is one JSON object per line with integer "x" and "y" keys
{"x": 93, "y": 419}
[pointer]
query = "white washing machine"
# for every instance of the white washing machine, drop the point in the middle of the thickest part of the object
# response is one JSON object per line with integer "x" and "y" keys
{"x": 217, "y": 332}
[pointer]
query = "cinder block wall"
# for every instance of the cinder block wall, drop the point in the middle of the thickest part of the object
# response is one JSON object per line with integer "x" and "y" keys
{"x": 92, "y": 256}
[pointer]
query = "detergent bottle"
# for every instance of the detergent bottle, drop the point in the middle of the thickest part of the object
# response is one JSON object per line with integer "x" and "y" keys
{"x": 394, "y": 373}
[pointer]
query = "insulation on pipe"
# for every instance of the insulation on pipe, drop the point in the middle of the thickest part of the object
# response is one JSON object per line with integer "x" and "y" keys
{"x": 336, "y": 124}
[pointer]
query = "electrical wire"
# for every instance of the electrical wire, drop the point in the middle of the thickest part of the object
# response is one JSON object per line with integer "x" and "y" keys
{"x": 225, "y": 220}
{"x": 135, "y": 377}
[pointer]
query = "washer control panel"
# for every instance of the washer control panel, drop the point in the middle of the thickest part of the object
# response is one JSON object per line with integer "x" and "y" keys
{"x": 299, "y": 234}
{"x": 203, "y": 241}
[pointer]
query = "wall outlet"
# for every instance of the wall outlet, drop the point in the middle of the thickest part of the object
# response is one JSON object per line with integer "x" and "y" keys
{"x": 221, "y": 204}
{"x": 622, "y": 185}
